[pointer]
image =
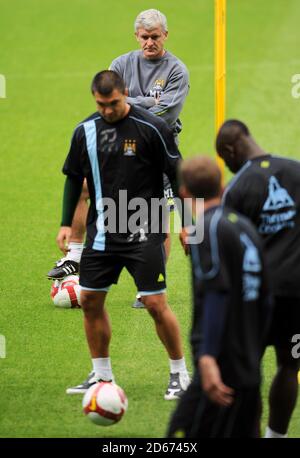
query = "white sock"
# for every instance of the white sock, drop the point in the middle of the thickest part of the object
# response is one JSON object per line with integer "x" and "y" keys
{"x": 102, "y": 368}
{"x": 75, "y": 250}
{"x": 270, "y": 434}
{"x": 177, "y": 365}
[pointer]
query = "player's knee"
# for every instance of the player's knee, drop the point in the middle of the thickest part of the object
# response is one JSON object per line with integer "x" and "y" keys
{"x": 86, "y": 301}
{"x": 89, "y": 301}
{"x": 156, "y": 306}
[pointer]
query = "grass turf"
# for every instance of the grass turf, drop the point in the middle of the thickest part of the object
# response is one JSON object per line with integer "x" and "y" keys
{"x": 49, "y": 52}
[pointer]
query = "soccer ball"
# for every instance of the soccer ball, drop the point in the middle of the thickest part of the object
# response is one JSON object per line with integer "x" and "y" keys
{"x": 104, "y": 403}
{"x": 66, "y": 293}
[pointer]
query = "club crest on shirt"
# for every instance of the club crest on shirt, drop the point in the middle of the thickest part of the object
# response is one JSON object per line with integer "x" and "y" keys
{"x": 157, "y": 88}
{"x": 129, "y": 147}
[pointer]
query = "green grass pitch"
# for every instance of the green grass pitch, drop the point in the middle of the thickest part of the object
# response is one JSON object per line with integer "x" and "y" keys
{"x": 49, "y": 52}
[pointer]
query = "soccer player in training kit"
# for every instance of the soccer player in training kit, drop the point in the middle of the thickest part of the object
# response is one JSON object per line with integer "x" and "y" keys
{"x": 230, "y": 315}
{"x": 157, "y": 81}
{"x": 111, "y": 149}
{"x": 267, "y": 190}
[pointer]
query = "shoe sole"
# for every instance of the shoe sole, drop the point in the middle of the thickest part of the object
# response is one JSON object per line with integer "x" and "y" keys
{"x": 62, "y": 276}
{"x": 84, "y": 390}
{"x": 57, "y": 278}
{"x": 175, "y": 396}
{"x": 171, "y": 397}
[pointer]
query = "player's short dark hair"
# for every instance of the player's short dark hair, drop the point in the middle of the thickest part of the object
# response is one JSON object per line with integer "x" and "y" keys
{"x": 106, "y": 81}
{"x": 236, "y": 124}
{"x": 201, "y": 176}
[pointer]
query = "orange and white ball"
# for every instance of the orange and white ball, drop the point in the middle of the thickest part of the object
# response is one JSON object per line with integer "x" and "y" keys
{"x": 105, "y": 403}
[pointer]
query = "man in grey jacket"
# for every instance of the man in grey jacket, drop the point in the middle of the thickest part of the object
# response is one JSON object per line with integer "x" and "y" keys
{"x": 155, "y": 78}
{"x": 157, "y": 81}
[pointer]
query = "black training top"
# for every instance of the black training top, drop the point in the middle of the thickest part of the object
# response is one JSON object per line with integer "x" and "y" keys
{"x": 129, "y": 155}
{"x": 230, "y": 262}
{"x": 267, "y": 191}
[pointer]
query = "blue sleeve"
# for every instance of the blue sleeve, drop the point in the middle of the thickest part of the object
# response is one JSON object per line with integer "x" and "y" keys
{"x": 214, "y": 320}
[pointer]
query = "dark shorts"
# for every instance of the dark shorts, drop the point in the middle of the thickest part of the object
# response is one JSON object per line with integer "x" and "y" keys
{"x": 285, "y": 321}
{"x": 197, "y": 417}
{"x": 145, "y": 263}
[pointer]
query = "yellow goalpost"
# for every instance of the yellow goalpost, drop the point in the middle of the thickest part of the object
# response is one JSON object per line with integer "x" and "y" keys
{"x": 220, "y": 69}
{"x": 220, "y": 75}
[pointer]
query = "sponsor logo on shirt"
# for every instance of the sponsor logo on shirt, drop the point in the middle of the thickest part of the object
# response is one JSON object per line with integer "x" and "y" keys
{"x": 108, "y": 139}
{"x": 129, "y": 147}
{"x": 278, "y": 211}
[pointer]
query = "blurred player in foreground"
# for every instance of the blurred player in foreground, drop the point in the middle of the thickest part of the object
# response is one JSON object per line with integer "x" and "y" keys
{"x": 266, "y": 189}
{"x": 230, "y": 315}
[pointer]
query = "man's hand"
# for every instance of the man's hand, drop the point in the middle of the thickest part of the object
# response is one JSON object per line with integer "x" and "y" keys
{"x": 212, "y": 383}
{"x": 63, "y": 238}
{"x": 183, "y": 237}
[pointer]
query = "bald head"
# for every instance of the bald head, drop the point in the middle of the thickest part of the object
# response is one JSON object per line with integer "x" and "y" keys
{"x": 201, "y": 177}
{"x": 235, "y": 145}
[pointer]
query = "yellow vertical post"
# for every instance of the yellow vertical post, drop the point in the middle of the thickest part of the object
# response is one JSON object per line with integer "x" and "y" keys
{"x": 220, "y": 69}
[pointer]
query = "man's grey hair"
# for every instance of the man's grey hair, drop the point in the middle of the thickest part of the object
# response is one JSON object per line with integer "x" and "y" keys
{"x": 150, "y": 19}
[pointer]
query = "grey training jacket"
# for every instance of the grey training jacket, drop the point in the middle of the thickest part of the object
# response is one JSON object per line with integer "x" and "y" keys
{"x": 165, "y": 78}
